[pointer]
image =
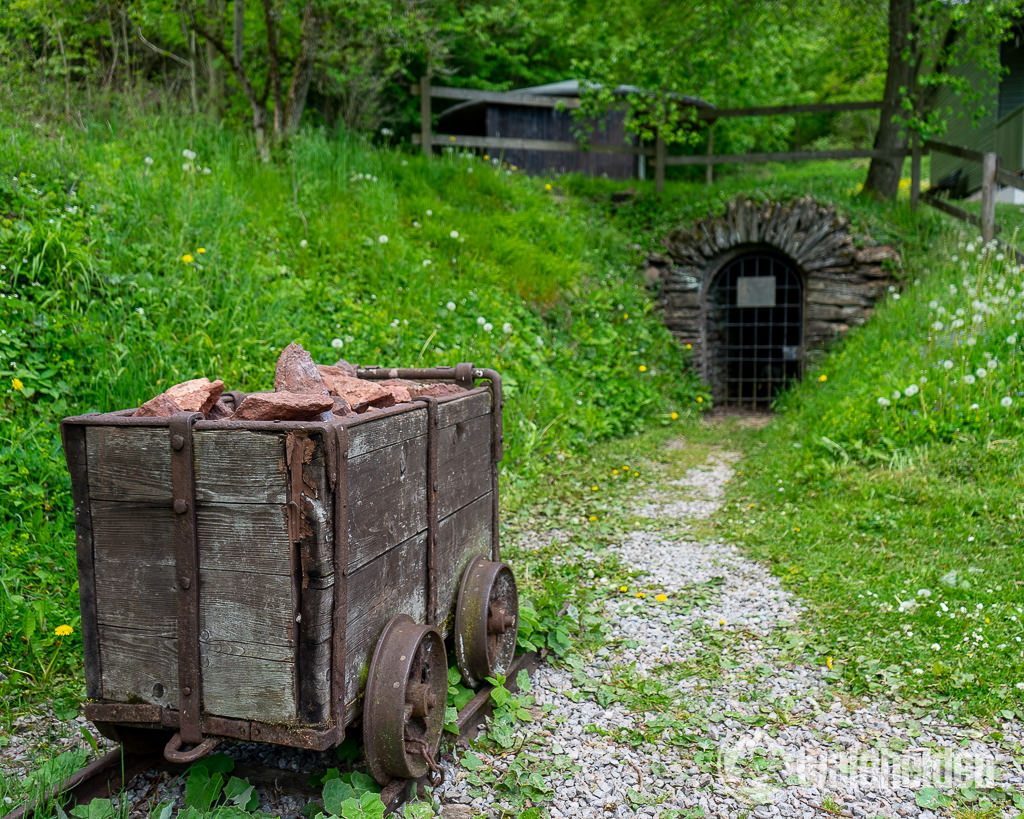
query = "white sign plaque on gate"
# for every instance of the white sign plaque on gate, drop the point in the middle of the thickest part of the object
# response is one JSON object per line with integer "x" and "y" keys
{"x": 755, "y": 291}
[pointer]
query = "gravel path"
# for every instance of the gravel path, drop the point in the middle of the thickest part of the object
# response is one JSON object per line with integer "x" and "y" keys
{"x": 693, "y": 707}
{"x": 770, "y": 736}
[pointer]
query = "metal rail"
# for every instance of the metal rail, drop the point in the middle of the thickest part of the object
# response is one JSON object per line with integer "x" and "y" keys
{"x": 113, "y": 771}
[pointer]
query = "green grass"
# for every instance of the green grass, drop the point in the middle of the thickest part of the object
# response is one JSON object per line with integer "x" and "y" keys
{"x": 897, "y": 512}
{"x": 123, "y": 275}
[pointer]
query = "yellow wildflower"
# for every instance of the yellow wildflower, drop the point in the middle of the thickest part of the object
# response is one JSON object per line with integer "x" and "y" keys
{"x": 547, "y": 186}
{"x": 486, "y": 156}
{"x": 592, "y": 517}
{"x": 63, "y": 631}
{"x": 823, "y": 378}
{"x": 674, "y": 416}
{"x": 593, "y": 489}
{"x": 689, "y": 346}
{"x": 640, "y": 595}
{"x": 451, "y": 138}
{"x": 828, "y": 662}
{"x": 661, "y": 598}
{"x": 187, "y": 258}
{"x": 700, "y": 400}
{"x": 643, "y": 368}
{"x": 623, "y": 588}
{"x": 200, "y": 250}
{"x": 17, "y": 384}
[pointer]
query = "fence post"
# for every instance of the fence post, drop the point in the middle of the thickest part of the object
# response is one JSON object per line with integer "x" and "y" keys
{"x": 988, "y": 196}
{"x": 426, "y": 126}
{"x": 915, "y": 171}
{"x": 709, "y": 174}
{"x": 659, "y": 163}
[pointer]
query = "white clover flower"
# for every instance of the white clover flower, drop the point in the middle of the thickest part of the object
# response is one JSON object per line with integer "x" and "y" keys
{"x": 911, "y": 390}
{"x": 506, "y": 328}
{"x": 973, "y": 407}
{"x": 382, "y": 239}
{"x": 481, "y": 320}
{"x": 450, "y": 305}
{"x": 883, "y": 402}
{"x": 454, "y": 234}
{"x": 488, "y": 327}
{"x": 148, "y": 160}
{"x": 189, "y": 155}
{"x": 427, "y": 263}
{"x": 1006, "y": 401}
{"x": 968, "y": 379}
{"x": 303, "y": 243}
{"x": 337, "y": 343}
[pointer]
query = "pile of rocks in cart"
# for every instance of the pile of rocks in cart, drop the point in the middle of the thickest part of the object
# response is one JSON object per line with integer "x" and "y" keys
{"x": 303, "y": 391}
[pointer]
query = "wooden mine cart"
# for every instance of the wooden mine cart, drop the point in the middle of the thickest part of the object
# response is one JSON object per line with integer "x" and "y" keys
{"x": 277, "y": 581}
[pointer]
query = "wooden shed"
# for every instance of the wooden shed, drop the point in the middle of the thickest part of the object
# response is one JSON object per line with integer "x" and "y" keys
{"x": 510, "y": 119}
{"x": 992, "y": 122}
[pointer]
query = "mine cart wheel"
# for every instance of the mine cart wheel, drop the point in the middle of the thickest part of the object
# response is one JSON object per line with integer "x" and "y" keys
{"x": 136, "y": 740}
{"x": 486, "y": 620}
{"x": 404, "y": 704}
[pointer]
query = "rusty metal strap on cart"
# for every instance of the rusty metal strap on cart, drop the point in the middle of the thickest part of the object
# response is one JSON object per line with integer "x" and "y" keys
{"x": 183, "y": 491}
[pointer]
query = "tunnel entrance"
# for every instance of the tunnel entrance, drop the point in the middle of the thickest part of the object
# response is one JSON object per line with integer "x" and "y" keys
{"x": 754, "y": 328}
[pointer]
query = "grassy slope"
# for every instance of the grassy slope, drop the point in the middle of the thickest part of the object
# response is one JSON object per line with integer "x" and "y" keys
{"x": 122, "y": 276}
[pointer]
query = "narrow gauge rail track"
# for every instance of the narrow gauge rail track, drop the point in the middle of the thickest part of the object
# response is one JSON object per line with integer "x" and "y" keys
{"x": 114, "y": 771}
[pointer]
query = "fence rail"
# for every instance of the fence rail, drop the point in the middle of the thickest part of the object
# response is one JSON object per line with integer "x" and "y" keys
{"x": 428, "y": 140}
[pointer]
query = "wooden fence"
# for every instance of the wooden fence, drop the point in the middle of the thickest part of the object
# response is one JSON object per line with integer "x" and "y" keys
{"x": 992, "y": 176}
{"x": 427, "y": 139}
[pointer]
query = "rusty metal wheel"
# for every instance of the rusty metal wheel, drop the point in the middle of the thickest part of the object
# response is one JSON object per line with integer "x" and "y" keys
{"x": 404, "y": 703}
{"x": 486, "y": 620}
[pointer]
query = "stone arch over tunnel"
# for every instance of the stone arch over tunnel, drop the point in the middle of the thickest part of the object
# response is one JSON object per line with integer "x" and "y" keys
{"x": 760, "y": 291}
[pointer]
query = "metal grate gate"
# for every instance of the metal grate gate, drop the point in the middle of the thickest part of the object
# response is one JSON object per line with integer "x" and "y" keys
{"x": 754, "y": 329}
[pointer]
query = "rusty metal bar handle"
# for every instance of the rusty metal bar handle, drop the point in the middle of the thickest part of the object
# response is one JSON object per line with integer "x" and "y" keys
{"x": 173, "y": 752}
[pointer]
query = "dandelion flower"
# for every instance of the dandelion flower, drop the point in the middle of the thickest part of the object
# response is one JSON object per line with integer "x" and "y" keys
{"x": 823, "y": 377}
{"x": 592, "y": 518}
{"x": 640, "y": 595}
{"x": 593, "y": 489}
{"x": 382, "y": 239}
{"x": 481, "y": 320}
{"x": 623, "y": 588}
{"x": 700, "y": 400}
{"x": 547, "y": 186}
{"x": 981, "y": 372}
{"x": 968, "y": 379}
{"x": 427, "y": 263}
{"x": 828, "y": 662}
{"x": 450, "y": 305}
{"x": 454, "y": 234}
{"x": 189, "y": 155}
{"x": 63, "y": 630}
{"x": 883, "y": 402}
{"x": 303, "y": 243}
{"x": 506, "y": 328}
{"x": 187, "y": 258}
{"x": 200, "y": 250}
{"x": 689, "y": 346}
{"x": 337, "y": 343}
{"x": 1006, "y": 401}
{"x": 17, "y": 385}
{"x": 642, "y": 368}
{"x": 911, "y": 390}
{"x": 674, "y": 416}
{"x": 148, "y": 160}
{"x": 488, "y": 327}
{"x": 661, "y": 598}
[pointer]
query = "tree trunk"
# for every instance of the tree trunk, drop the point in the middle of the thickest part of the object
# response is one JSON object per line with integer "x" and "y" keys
{"x": 303, "y": 74}
{"x": 883, "y": 179}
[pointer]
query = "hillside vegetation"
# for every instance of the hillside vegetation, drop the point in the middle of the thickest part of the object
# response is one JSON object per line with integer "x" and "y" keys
{"x": 138, "y": 254}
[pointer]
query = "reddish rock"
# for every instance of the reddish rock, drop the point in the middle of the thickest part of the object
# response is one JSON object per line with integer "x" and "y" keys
{"x": 197, "y": 395}
{"x": 283, "y": 406}
{"x": 438, "y": 390}
{"x": 162, "y": 406}
{"x": 221, "y": 410}
{"x": 359, "y": 394}
{"x": 348, "y": 369}
{"x": 399, "y": 393}
{"x": 342, "y": 407}
{"x": 296, "y": 372}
